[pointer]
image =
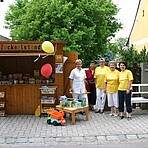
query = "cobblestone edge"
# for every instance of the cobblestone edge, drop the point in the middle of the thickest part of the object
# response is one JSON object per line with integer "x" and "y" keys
{"x": 44, "y": 141}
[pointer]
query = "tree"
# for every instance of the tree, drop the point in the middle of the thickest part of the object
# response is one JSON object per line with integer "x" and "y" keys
{"x": 113, "y": 50}
{"x": 132, "y": 56}
{"x": 118, "y": 51}
{"x": 87, "y": 25}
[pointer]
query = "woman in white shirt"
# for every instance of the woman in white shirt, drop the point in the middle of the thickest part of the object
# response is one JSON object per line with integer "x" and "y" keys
{"x": 77, "y": 81}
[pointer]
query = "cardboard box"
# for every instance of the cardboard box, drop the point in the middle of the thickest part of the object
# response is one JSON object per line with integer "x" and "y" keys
{"x": 36, "y": 74}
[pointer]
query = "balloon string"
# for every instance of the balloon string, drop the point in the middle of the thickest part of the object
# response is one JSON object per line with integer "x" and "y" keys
{"x": 37, "y": 58}
{"x": 45, "y": 56}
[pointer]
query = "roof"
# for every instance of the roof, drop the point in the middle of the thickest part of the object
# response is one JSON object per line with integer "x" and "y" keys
{"x": 2, "y": 38}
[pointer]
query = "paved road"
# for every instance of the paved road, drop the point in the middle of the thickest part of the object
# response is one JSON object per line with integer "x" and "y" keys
{"x": 28, "y": 130}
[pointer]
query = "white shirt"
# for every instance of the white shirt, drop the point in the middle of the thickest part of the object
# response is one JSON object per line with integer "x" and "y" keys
{"x": 78, "y": 77}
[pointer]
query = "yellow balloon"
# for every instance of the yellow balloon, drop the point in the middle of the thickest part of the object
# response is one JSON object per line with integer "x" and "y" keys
{"x": 47, "y": 47}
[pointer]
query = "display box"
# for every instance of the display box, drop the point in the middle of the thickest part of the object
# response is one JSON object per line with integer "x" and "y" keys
{"x": 2, "y": 113}
{"x": 71, "y": 102}
{"x": 2, "y": 104}
{"x": 45, "y": 109}
{"x": 36, "y": 74}
{"x": 82, "y": 101}
{"x": 2, "y": 94}
{"x": 48, "y": 91}
{"x": 48, "y": 100}
{"x": 77, "y": 104}
{"x": 17, "y": 75}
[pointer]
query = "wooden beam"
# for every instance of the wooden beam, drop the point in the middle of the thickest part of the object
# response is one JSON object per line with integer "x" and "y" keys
{"x": 24, "y": 54}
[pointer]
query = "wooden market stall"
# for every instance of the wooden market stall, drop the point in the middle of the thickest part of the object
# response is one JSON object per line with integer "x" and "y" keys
{"x": 20, "y": 76}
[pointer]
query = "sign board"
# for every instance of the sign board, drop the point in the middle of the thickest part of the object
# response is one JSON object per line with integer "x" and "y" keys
{"x": 19, "y": 47}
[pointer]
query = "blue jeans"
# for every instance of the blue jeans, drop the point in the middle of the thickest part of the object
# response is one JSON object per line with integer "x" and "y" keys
{"x": 124, "y": 97}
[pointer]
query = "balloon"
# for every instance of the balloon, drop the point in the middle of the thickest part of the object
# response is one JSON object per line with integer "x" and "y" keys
{"x": 48, "y": 47}
{"x": 46, "y": 70}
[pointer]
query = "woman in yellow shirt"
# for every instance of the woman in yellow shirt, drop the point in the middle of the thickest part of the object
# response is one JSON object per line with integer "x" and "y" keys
{"x": 99, "y": 81}
{"x": 124, "y": 90}
{"x": 111, "y": 88}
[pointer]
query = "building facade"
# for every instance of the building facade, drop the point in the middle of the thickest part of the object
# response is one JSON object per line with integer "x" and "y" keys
{"x": 139, "y": 35}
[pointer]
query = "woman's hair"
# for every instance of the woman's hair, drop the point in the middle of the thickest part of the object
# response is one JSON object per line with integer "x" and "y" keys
{"x": 92, "y": 62}
{"x": 112, "y": 62}
{"x": 123, "y": 62}
{"x": 78, "y": 61}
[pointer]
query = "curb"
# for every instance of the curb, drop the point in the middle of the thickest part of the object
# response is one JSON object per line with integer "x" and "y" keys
{"x": 11, "y": 141}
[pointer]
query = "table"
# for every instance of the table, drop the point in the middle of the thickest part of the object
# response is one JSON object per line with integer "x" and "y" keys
{"x": 73, "y": 111}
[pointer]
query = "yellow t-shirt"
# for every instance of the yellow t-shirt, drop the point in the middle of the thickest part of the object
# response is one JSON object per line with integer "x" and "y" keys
{"x": 100, "y": 76}
{"x": 124, "y": 78}
{"x": 112, "y": 80}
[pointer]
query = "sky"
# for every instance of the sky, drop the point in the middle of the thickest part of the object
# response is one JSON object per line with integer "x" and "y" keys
{"x": 125, "y": 15}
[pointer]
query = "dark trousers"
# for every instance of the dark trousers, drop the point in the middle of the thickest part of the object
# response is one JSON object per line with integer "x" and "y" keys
{"x": 124, "y": 97}
{"x": 92, "y": 95}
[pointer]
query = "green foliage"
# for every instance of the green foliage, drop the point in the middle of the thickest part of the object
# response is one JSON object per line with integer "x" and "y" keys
{"x": 119, "y": 44}
{"x": 87, "y": 25}
{"x": 132, "y": 56}
{"x": 119, "y": 52}
{"x": 143, "y": 55}
{"x": 133, "y": 59}
{"x": 113, "y": 49}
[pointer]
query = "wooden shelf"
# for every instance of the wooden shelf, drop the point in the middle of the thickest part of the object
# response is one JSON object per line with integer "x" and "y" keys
{"x": 2, "y": 104}
{"x": 48, "y": 97}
